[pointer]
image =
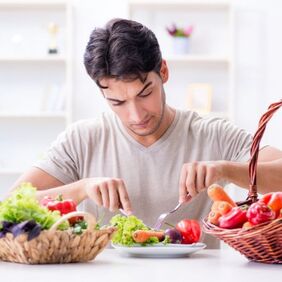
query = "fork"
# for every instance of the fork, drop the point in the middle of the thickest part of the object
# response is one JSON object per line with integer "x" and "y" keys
{"x": 163, "y": 216}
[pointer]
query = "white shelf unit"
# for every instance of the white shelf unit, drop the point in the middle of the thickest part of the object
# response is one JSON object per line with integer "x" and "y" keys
{"x": 30, "y": 59}
{"x": 211, "y": 56}
{"x": 35, "y": 87}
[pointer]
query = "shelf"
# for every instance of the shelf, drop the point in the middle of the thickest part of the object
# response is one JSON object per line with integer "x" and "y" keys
{"x": 196, "y": 59}
{"x": 39, "y": 59}
{"x": 178, "y": 4}
{"x": 33, "y": 115}
{"x": 29, "y": 4}
{"x": 10, "y": 172}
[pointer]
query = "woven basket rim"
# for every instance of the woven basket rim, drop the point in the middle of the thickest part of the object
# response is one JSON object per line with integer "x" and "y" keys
{"x": 248, "y": 232}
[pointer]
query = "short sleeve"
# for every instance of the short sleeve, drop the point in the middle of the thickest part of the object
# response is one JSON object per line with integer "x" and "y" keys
{"x": 62, "y": 158}
{"x": 234, "y": 143}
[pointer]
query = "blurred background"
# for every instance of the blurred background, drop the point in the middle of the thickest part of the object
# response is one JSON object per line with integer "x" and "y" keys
{"x": 224, "y": 59}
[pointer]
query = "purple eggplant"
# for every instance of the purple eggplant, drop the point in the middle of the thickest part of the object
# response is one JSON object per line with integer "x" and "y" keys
{"x": 174, "y": 236}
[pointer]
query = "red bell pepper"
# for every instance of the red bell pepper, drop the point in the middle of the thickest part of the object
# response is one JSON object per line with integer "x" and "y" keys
{"x": 280, "y": 214}
{"x": 234, "y": 219}
{"x": 273, "y": 200}
{"x": 44, "y": 201}
{"x": 190, "y": 230}
{"x": 63, "y": 206}
{"x": 259, "y": 212}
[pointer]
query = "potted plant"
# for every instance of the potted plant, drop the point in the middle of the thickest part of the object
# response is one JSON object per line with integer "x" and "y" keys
{"x": 180, "y": 36}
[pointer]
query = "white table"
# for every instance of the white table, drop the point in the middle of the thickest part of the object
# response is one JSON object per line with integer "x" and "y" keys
{"x": 206, "y": 265}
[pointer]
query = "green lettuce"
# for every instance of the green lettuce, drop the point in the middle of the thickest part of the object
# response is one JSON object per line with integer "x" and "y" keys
{"x": 126, "y": 225}
{"x": 22, "y": 205}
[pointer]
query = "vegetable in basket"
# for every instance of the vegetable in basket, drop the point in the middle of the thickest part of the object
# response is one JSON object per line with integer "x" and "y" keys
{"x": 64, "y": 206}
{"x": 273, "y": 200}
{"x": 217, "y": 193}
{"x": 259, "y": 212}
{"x": 21, "y": 212}
{"x": 234, "y": 219}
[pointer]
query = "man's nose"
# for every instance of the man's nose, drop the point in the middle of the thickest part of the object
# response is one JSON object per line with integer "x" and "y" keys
{"x": 136, "y": 113}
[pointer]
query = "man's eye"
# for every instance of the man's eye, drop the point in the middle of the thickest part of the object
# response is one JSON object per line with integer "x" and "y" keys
{"x": 145, "y": 95}
{"x": 117, "y": 103}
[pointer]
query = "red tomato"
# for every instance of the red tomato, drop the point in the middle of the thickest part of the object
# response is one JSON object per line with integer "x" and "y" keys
{"x": 190, "y": 230}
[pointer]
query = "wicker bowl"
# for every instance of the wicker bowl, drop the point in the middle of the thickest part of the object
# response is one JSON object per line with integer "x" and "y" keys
{"x": 261, "y": 243}
{"x": 55, "y": 246}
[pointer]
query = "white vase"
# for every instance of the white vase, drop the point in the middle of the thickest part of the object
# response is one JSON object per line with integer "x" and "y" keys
{"x": 180, "y": 45}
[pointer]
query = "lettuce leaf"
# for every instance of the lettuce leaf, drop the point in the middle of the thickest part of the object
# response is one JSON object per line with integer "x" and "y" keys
{"x": 125, "y": 227}
{"x": 22, "y": 205}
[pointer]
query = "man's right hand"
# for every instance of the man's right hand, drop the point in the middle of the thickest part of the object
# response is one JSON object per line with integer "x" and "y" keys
{"x": 108, "y": 192}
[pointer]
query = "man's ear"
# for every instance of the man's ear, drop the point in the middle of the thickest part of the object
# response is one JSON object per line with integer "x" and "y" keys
{"x": 164, "y": 73}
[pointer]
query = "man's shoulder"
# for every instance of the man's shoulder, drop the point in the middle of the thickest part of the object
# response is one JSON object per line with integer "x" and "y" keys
{"x": 206, "y": 123}
{"x": 83, "y": 127}
{"x": 194, "y": 118}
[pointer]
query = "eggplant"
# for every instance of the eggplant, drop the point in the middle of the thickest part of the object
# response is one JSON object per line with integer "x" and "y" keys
{"x": 174, "y": 236}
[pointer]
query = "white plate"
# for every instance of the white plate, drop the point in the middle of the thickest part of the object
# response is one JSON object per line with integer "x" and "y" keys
{"x": 160, "y": 250}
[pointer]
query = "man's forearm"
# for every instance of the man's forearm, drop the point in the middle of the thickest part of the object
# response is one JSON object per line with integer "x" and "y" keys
{"x": 74, "y": 191}
{"x": 269, "y": 175}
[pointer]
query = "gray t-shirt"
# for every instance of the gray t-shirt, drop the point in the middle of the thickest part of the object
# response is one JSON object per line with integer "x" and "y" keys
{"x": 102, "y": 148}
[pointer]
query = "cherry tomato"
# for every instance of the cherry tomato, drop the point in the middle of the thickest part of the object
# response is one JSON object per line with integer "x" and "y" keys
{"x": 190, "y": 230}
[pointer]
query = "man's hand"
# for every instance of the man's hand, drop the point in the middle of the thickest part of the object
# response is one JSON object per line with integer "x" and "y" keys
{"x": 109, "y": 193}
{"x": 198, "y": 176}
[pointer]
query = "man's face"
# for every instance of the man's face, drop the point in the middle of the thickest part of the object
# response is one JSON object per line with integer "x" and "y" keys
{"x": 139, "y": 105}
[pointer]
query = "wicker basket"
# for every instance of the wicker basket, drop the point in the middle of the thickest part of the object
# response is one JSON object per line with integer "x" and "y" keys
{"x": 261, "y": 243}
{"x": 54, "y": 246}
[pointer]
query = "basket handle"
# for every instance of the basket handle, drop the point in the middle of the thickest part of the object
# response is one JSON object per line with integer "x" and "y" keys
{"x": 253, "y": 196}
{"x": 91, "y": 220}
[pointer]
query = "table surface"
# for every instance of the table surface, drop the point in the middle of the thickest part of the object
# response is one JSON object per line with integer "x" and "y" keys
{"x": 205, "y": 265}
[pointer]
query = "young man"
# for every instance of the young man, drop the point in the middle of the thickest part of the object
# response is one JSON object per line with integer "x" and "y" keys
{"x": 145, "y": 156}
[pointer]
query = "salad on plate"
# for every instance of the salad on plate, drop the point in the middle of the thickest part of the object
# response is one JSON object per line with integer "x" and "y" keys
{"x": 135, "y": 238}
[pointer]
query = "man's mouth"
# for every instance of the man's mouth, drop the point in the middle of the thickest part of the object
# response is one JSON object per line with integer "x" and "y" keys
{"x": 142, "y": 124}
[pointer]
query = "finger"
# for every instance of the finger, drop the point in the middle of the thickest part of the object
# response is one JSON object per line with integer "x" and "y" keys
{"x": 210, "y": 176}
{"x": 182, "y": 184}
{"x": 95, "y": 194}
{"x": 105, "y": 195}
{"x": 191, "y": 180}
{"x": 124, "y": 198}
{"x": 201, "y": 175}
{"x": 113, "y": 196}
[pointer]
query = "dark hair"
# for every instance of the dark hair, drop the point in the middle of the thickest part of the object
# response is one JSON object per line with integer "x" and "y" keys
{"x": 124, "y": 49}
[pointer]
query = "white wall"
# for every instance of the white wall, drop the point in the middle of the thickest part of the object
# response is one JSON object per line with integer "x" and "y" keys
{"x": 258, "y": 67}
{"x": 89, "y": 14}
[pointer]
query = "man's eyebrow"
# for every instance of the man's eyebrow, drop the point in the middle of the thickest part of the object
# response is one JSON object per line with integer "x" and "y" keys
{"x": 139, "y": 93}
{"x": 114, "y": 100}
{"x": 144, "y": 88}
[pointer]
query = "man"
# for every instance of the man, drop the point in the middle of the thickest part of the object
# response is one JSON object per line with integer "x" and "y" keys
{"x": 145, "y": 156}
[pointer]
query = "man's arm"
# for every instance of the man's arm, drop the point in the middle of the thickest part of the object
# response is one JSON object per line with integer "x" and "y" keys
{"x": 269, "y": 171}
{"x": 107, "y": 192}
{"x": 49, "y": 185}
{"x": 198, "y": 176}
